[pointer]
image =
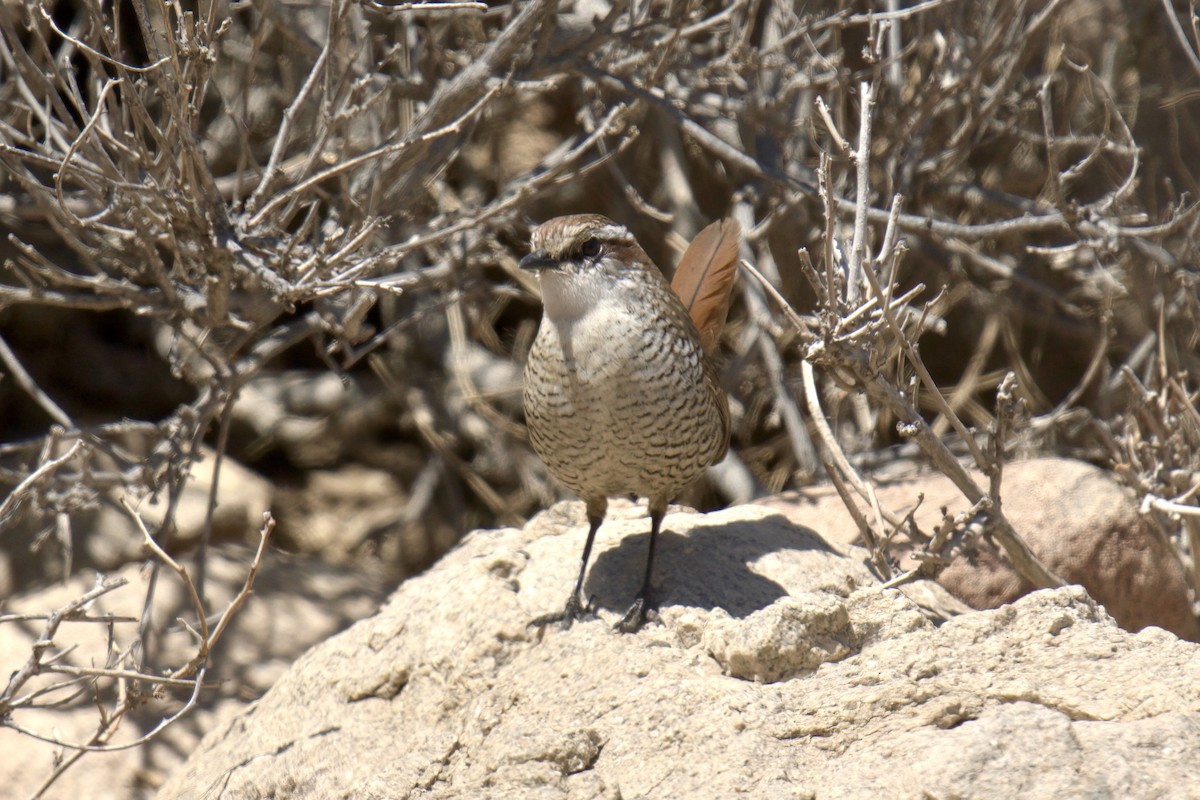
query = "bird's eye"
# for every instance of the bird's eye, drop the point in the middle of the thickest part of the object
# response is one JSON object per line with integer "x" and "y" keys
{"x": 590, "y": 248}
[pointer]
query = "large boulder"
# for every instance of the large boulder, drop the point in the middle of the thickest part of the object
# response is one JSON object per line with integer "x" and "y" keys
{"x": 776, "y": 669}
{"x": 1078, "y": 519}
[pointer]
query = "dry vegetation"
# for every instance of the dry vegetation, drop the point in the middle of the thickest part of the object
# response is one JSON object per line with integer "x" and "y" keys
{"x": 213, "y": 210}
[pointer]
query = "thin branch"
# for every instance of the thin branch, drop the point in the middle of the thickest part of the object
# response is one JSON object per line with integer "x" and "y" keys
{"x": 379, "y": 152}
{"x": 862, "y": 166}
{"x": 45, "y": 468}
{"x": 284, "y": 134}
{"x": 1177, "y": 29}
{"x": 33, "y": 665}
{"x": 26, "y": 382}
{"x": 426, "y": 8}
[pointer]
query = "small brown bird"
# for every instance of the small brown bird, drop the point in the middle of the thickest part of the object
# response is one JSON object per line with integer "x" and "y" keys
{"x": 621, "y": 396}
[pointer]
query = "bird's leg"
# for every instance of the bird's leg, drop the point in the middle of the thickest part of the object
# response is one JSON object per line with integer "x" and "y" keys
{"x": 575, "y": 607}
{"x": 635, "y": 617}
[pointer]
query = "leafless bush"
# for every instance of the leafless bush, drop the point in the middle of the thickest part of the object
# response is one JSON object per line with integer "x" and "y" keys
{"x": 997, "y": 197}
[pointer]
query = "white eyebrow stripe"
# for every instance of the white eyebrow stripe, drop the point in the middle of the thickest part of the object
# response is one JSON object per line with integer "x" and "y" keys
{"x": 614, "y": 233}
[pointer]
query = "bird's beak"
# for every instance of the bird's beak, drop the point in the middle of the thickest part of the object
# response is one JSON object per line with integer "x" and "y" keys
{"x": 538, "y": 260}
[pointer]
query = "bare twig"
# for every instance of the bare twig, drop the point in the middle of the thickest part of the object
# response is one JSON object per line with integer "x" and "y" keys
{"x": 26, "y": 382}
{"x": 45, "y": 468}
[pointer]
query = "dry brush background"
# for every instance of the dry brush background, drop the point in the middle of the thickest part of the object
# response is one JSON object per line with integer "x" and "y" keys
{"x": 284, "y": 235}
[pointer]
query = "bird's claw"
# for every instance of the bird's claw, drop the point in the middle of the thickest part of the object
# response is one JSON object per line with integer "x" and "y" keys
{"x": 635, "y": 617}
{"x": 573, "y": 612}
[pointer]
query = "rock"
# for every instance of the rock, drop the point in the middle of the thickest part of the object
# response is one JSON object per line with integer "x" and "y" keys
{"x": 790, "y": 636}
{"x": 108, "y": 539}
{"x": 450, "y": 692}
{"x": 356, "y": 513}
{"x": 102, "y": 536}
{"x": 242, "y": 498}
{"x": 316, "y": 417}
{"x": 335, "y": 512}
{"x": 297, "y": 602}
{"x": 1078, "y": 519}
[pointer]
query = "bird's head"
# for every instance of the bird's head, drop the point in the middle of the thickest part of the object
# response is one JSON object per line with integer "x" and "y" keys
{"x": 584, "y": 260}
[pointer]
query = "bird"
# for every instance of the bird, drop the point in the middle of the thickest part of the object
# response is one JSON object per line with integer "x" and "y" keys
{"x": 621, "y": 393}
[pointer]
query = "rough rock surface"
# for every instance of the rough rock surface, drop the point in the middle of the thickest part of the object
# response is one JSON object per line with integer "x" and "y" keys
{"x": 775, "y": 670}
{"x": 1078, "y": 519}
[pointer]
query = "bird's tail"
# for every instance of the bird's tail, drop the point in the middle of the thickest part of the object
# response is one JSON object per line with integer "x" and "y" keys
{"x": 705, "y": 276}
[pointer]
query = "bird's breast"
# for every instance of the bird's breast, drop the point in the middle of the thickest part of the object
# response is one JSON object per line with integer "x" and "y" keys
{"x": 617, "y": 403}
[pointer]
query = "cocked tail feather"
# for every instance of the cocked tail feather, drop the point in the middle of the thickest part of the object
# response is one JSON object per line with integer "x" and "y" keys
{"x": 704, "y": 278}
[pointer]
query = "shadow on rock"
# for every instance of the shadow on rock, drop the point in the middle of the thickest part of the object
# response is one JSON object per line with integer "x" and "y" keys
{"x": 740, "y": 566}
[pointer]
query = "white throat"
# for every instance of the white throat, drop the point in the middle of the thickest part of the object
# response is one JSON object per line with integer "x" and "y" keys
{"x": 569, "y": 298}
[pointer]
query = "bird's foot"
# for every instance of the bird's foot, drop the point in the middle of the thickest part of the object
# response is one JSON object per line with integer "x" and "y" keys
{"x": 575, "y": 610}
{"x": 638, "y": 614}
